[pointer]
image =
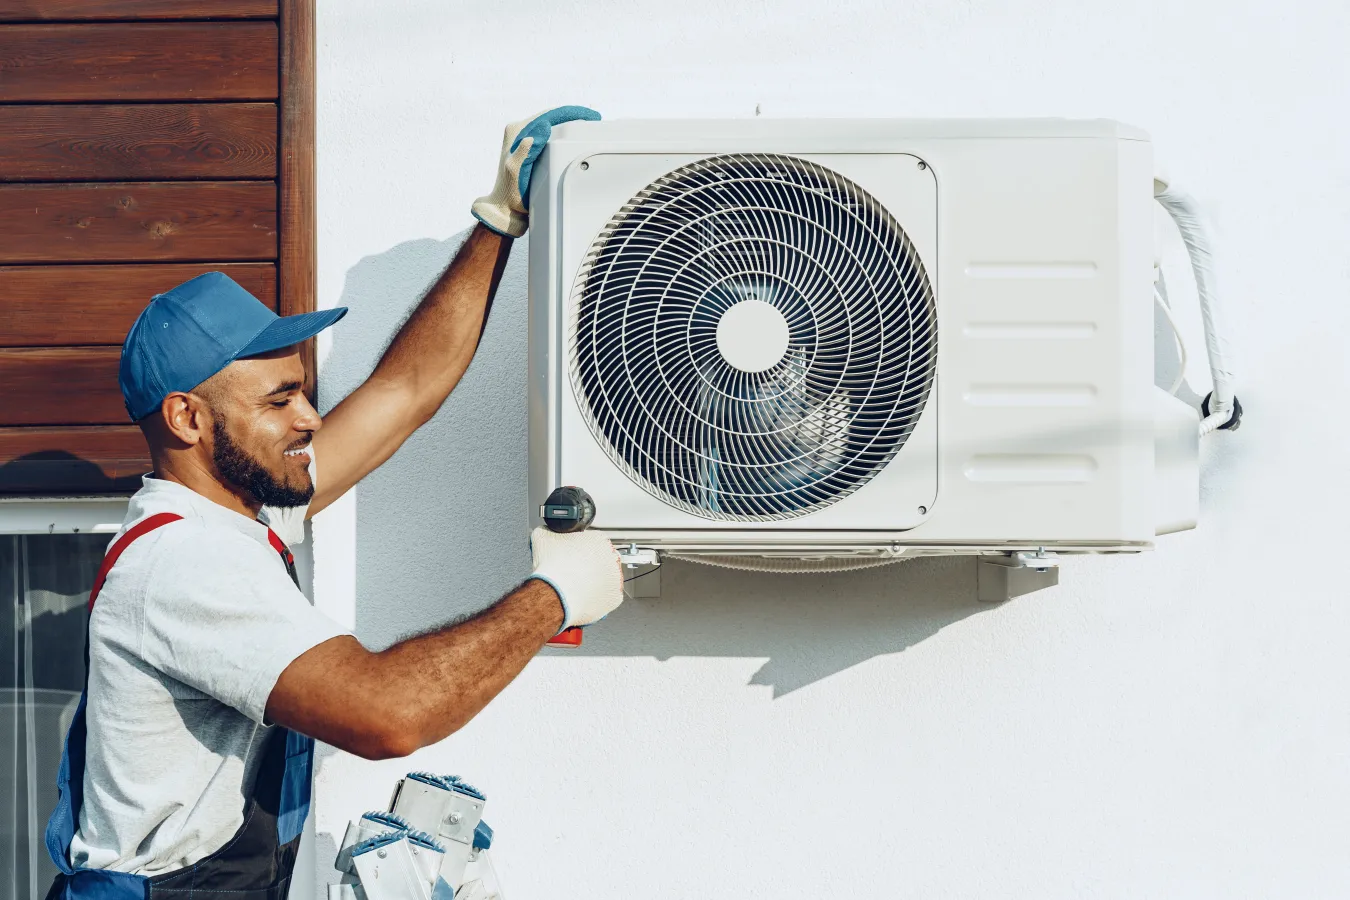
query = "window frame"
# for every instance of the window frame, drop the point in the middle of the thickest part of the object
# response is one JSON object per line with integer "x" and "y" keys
{"x": 62, "y": 515}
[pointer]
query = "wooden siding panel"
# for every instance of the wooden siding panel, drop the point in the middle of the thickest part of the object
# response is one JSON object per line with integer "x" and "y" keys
{"x": 64, "y": 386}
{"x": 141, "y": 61}
{"x": 52, "y": 306}
{"x": 297, "y": 251}
{"x": 140, "y": 141}
{"x": 128, "y": 222}
{"x": 93, "y": 10}
{"x": 121, "y": 181}
{"x": 81, "y": 459}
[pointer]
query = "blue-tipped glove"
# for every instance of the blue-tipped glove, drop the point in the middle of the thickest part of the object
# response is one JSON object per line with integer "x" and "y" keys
{"x": 506, "y": 209}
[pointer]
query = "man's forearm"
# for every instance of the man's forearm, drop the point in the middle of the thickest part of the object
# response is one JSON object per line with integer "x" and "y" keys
{"x": 449, "y": 675}
{"x": 420, "y": 690}
{"x": 432, "y": 350}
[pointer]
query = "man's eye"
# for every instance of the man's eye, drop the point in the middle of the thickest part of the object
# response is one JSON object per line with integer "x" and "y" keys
{"x": 280, "y": 404}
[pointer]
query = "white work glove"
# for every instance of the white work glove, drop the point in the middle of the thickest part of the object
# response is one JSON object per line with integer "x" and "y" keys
{"x": 506, "y": 209}
{"x": 583, "y": 568}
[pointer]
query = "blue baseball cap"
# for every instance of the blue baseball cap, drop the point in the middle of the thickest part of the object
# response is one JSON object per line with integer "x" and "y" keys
{"x": 193, "y": 331}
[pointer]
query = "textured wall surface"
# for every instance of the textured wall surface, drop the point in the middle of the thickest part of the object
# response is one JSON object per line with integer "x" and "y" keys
{"x": 1173, "y": 725}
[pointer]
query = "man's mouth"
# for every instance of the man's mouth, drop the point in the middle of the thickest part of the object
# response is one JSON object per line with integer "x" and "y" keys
{"x": 302, "y": 450}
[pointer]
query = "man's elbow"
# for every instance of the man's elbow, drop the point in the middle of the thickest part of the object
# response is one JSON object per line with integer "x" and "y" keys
{"x": 376, "y": 748}
{"x": 425, "y": 408}
{"x": 416, "y": 398}
{"x": 396, "y": 735}
{"x": 386, "y": 737}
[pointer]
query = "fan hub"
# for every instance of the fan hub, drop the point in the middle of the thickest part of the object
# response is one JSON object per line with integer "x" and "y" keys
{"x": 752, "y": 336}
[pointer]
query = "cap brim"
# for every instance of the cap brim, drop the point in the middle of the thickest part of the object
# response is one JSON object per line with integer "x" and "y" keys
{"x": 290, "y": 330}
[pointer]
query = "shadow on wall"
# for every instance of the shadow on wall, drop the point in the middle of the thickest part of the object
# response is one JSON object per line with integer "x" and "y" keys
{"x": 59, "y": 472}
{"x": 809, "y": 626}
{"x": 441, "y": 527}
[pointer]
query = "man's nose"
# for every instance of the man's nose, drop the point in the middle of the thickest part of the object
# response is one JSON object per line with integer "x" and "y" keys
{"x": 309, "y": 419}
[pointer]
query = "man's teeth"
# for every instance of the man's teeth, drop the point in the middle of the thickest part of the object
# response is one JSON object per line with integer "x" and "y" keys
{"x": 297, "y": 452}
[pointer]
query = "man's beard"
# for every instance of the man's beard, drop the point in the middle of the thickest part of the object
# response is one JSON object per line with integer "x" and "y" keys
{"x": 247, "y": 474}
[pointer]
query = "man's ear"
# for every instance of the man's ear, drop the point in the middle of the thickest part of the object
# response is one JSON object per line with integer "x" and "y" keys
{"x": 186, "y": 417}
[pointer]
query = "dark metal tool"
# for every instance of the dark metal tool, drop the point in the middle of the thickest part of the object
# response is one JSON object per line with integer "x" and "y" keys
{"x": 567, "y": 510}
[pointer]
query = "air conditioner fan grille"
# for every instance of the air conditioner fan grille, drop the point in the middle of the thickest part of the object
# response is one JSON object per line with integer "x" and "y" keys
{"x": 730, "y": 443}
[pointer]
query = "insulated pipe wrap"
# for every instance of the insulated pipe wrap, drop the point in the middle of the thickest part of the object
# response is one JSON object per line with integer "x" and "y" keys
{"x": 1183, "y": 210}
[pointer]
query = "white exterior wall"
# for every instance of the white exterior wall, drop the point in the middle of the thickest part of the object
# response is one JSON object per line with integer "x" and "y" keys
{"x": 1172, "y": 725}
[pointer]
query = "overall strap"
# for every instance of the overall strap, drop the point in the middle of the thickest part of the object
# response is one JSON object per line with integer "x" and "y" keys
{"x": 287, "y": 557}
{"x": 140, "y": 529}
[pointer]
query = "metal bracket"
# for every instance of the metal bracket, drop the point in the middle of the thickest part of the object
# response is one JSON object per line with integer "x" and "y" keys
{"x": 388, "y": 870}
{"x": 1001, "y": 578}
{"x": 445, "y": 809}
{"x": 641, "y": 572}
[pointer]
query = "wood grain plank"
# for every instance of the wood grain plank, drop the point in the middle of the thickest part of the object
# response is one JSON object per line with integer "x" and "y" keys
{"x": 297, "y": 250}
{"x": 83, "y": 459}
{"x": 93, "y": 10}
{"x": 139, "y": 61}
{"x": 106, "y": 441}
{"x": 66, "y": 386}
{"x": 135, "y": 222}
{"x": 138, "y": 141}
{"x": 52, "y": 306}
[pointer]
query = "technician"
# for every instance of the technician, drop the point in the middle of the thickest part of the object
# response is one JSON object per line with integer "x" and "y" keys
{"x": 187, "y": 766}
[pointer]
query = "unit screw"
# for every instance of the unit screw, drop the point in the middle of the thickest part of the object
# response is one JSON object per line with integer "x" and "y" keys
{"x": 922, "y": 165}
{"x": 454, "y": 818}
{"x": 585, "y": 165}
{"x": 923, "y": 510}
{"x": 381, "y": 853}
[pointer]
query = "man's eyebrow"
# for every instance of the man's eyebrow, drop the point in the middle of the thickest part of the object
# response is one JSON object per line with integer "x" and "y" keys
{"x": 287, "y": 388}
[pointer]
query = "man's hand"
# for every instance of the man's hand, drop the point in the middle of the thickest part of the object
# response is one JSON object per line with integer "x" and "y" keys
{"x": 583, "y": 568}
{"x": 506, "y": 209}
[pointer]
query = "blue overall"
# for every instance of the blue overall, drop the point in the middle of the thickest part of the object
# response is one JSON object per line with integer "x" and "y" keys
{"x": 255, "y": 864}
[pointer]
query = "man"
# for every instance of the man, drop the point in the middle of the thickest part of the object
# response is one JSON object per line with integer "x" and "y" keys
{"x": 187, "y": 768}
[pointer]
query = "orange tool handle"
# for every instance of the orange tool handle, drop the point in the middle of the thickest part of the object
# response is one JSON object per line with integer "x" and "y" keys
{"x": 568, "y": 637}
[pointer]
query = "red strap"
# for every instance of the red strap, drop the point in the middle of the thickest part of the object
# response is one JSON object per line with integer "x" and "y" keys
{"x": 280, "y": 546}
{"x": 143, "y": 527}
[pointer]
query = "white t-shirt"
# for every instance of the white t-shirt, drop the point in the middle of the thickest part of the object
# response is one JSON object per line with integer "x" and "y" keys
{"x": 194, "y": 625}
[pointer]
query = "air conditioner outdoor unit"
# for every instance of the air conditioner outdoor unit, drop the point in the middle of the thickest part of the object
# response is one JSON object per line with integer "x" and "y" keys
{"x": 854, "y": 340}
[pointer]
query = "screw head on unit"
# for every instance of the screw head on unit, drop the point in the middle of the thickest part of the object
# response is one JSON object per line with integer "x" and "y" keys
{"x": 585, "y": 165}
{"x": 922, "y": 165}
{"x": 923, "y": 510}
{"x": 454, "y": 818}
{"x": 381, "y": 853}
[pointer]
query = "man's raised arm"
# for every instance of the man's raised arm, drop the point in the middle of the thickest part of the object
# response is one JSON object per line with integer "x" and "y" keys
{"x": 432, "y": 350}
{"x": 427, "y": 358}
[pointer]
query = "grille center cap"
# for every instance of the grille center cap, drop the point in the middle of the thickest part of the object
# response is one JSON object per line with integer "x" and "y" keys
{"x": 752, "y": 335}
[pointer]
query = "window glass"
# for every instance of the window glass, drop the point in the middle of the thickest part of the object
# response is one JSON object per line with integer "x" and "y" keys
{"x": 44, "y": 586}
